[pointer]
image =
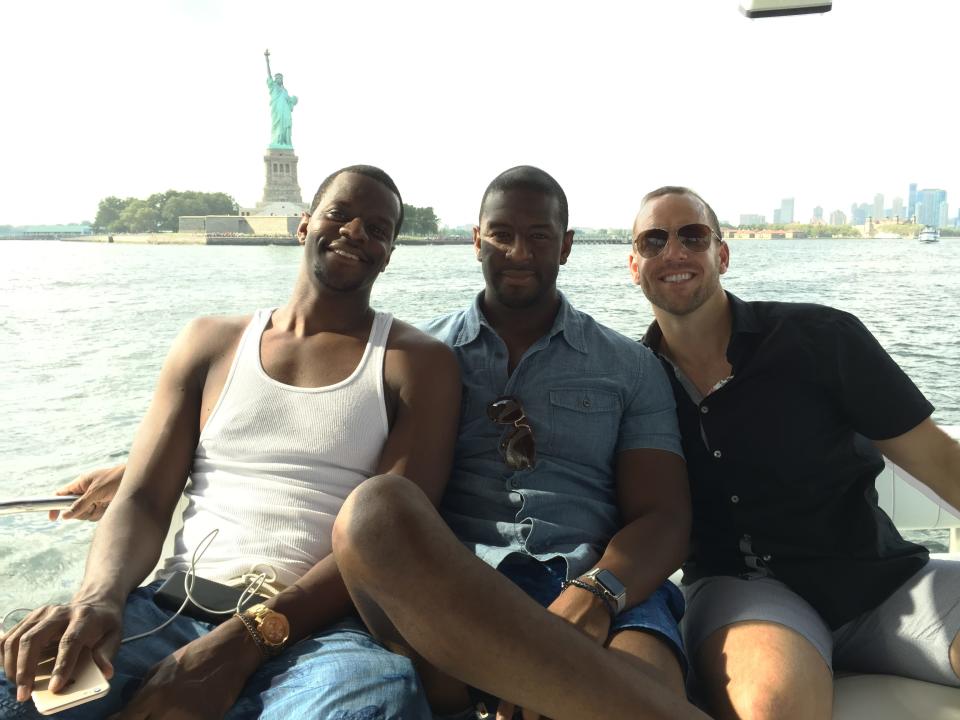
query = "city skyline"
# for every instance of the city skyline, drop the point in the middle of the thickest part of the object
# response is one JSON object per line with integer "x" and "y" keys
{"x": 467, "y": 90}
{"x": 878, "y": 209}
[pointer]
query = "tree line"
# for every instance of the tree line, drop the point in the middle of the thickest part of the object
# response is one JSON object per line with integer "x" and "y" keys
{"x": 159, "y": 212}
{"x": 419, "y": 221}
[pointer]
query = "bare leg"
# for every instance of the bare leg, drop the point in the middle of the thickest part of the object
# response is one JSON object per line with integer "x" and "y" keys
{"x": 398, "y": 557}
{"x": 764, "y": 671}
{"x": 651, "y": 656}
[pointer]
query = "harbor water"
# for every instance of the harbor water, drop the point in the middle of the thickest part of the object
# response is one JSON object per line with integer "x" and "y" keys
{"x": 85, "y": 327}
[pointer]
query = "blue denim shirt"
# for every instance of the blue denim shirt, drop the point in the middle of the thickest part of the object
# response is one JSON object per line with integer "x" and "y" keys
{"x": 589, "y": 393}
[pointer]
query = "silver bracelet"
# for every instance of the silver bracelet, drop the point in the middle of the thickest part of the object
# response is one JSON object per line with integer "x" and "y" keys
{"x": 577, "y": 582}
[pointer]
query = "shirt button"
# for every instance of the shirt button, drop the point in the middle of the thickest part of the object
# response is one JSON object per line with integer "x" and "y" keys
{"x": 704, "y": 409}
{"x": 767, "y": 558}
{"x": 717, "y": 454}
{"x": 734, "y": 499}
{"x": 514, "y": 483}
{"x": 585, "y": 402}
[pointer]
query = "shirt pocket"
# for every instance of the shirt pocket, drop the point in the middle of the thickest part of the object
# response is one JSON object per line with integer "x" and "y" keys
{"x": 584, "y": 425}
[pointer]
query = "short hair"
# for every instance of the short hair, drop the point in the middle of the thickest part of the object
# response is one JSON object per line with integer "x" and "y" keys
{"x": 527, "y": 177}
{"x": 371, "y": 172}
{"x": 680, "y": 190}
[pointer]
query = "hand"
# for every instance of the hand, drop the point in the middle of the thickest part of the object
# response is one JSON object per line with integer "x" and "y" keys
{"x": 586, "y": 612}
{"x": 64, "y": 630}
{"x": 200, "y": 681}
{"x": 96, "y": 489}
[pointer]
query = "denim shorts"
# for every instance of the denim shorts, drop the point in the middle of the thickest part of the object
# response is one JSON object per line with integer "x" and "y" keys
{"x": 659, "y": 614}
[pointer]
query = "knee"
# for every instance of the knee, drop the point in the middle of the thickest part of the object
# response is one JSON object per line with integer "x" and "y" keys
{"x": 756, "y": 701}
{"x": 768, "y": 706}
{"x": 378, "y": 518}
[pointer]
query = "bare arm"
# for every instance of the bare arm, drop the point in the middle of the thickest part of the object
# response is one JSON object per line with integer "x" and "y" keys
{"x": 654, "y": 498}
{"x": 931, "y": 456}
{"x": 128, "y": 540}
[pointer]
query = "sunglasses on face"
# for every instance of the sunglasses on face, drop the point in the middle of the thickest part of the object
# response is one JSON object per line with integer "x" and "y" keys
{"x": 517, "y": 446}
{"x": 695, "y": 238}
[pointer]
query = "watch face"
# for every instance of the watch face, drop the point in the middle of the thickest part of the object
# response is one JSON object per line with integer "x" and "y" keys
{"x": 274, "y": 629}
{"x": 610, "y": 582}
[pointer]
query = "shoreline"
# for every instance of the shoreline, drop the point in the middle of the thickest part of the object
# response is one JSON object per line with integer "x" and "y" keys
{"x": 178, "y": 238}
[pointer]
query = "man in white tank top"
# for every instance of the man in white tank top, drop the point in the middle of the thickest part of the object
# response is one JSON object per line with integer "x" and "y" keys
{"x": 274, "y": 419}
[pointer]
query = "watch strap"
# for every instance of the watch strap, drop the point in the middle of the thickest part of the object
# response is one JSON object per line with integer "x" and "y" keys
{"x": 248, "y": 623}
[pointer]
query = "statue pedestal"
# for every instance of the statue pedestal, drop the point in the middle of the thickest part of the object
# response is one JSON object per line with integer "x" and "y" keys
{"x": 281, "y": 178}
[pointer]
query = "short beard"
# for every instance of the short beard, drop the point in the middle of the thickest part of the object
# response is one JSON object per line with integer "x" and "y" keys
{"x": 694, "y": 303}
{"x": 324, "y": 279}
{"x": 517, "y": 302}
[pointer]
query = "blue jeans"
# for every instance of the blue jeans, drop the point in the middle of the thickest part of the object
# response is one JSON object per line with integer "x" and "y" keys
{"x": 339, "y": 674}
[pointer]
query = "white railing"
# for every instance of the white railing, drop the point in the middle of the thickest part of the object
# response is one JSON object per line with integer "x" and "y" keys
{"x": 913, "y": 506}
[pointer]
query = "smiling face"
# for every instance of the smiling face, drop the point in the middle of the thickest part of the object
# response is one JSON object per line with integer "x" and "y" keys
{"x": 350, "y": 234}
{"x": 522, "y": 244}
{"x": 678, "y": 280}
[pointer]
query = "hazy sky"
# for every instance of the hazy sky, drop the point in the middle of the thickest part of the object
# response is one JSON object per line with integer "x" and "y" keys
{"x": 612, "y": 98}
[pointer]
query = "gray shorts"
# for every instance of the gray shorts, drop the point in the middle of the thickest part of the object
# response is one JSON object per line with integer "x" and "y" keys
{"x": 909, "y": 634}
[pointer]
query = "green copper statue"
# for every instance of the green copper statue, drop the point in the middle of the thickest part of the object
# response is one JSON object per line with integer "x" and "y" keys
{"x": 281, "y": 109}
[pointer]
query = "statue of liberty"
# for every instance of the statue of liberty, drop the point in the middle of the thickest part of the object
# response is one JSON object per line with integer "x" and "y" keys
{"x": 281, "y": 109}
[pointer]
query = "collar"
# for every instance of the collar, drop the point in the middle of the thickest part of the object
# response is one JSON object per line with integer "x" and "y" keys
{"x": 744, "y": 320}
{"x": 568, "y": 322}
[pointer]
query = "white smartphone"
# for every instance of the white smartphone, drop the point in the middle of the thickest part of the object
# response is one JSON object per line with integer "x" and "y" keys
{"x": 88, "y": 683}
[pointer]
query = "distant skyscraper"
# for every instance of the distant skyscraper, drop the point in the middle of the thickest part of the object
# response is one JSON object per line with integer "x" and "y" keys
{"x": 786, "y": 211}
{"x": 929, "y": 202}
{"x": 777, "y": 216}
{"x": 944, "y": 218}
{"x": 753, "y": 220}
{"x": 838, "y": 218}
{"x": 912, "y": 202}
{"x": 896, "y": 208}
{"x": 859, "y": 213}
{"x": 818, "y": 213}
{"x": 878, "y": 213}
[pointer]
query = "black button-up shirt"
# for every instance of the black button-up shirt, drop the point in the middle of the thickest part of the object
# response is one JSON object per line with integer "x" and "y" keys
{"x": 782, "y": 473}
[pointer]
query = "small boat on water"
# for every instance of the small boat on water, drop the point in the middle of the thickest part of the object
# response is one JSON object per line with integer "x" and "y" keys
{"x": 929, "y": 234}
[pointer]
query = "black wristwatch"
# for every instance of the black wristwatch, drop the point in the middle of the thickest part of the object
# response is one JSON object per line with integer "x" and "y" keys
{"x": 608, "y": 584}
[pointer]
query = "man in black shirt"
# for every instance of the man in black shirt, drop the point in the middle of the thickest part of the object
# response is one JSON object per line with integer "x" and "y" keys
{"x": 785, "y": 410}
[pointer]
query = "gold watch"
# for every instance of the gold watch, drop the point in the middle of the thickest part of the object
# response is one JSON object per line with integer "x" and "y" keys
{"x": 269, "y": 628}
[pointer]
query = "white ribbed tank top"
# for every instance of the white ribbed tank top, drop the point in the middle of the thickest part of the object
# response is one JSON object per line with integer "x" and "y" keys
{"x": 275, "y": 462}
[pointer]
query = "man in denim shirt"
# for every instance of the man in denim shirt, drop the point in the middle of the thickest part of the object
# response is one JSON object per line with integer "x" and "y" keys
{"x": 568, "y": 466}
